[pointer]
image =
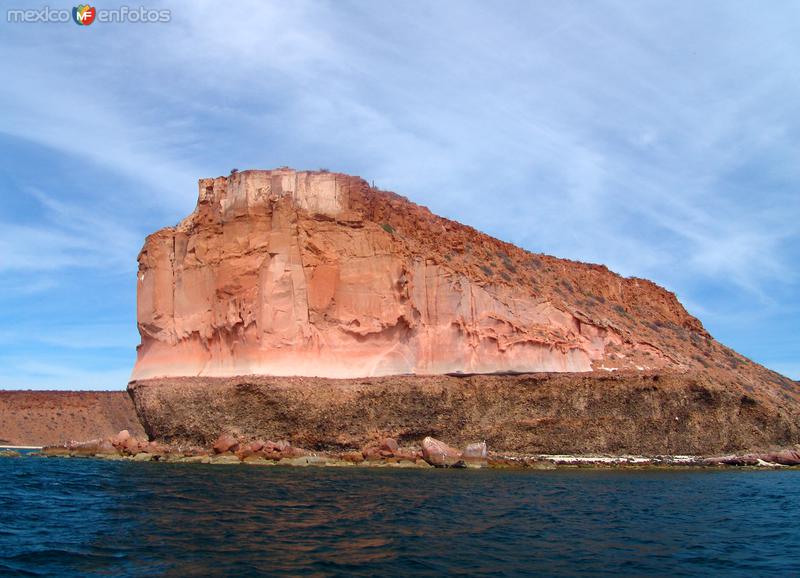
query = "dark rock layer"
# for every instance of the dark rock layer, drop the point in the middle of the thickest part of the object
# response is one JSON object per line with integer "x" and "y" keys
{"x": 599, "y": 412}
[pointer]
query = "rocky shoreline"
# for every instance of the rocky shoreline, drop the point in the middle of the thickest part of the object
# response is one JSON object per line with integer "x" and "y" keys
{"x": 229, "y": 449}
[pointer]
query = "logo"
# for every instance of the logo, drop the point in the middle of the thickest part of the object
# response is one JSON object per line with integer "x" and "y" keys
{"x": 83, "y": 14}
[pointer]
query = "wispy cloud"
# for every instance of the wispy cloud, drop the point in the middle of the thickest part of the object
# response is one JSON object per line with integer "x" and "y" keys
{"x": 67, "y": 234}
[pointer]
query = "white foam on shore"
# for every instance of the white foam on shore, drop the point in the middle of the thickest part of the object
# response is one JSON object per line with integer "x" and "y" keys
{"x": 623, "y": 459}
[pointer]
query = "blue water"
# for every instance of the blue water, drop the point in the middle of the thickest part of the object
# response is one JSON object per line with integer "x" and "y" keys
{"x": 72, "y": 517}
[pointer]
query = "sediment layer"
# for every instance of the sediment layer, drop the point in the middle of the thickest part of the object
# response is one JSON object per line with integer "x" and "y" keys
{"x": 39, "y": 418}
{"x": 697, "y": 413}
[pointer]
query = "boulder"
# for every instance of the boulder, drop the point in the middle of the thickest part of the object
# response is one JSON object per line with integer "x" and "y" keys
{"x": 225, "y": 443}
{"x": 389, "y": 445}
{"x": 372, "y": 451}
{"x": 130, "y": 445}
{"x": 120, "y": 439}
{"x": 153, "y": 447}
{"x": 439, "y": 454}
{"x": 354, "y": 457}
{"x": 783, "y": 457}
{"x": 749, "y": 460}
{"x": 476, "y": 455}
{"x": 732, "y": 460}
{"x": 408, "y": 454}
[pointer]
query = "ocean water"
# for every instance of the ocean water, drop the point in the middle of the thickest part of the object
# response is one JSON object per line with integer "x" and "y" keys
{"x": 75, "y": 517}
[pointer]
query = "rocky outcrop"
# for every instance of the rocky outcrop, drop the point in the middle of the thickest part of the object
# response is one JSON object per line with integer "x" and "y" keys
{"x": 314, "y": 273}
{"x": 697, "y": 413}
{"x": 120, "y": 444}
{"x": 234, "y": 449}
{"x": 311, "y": 307}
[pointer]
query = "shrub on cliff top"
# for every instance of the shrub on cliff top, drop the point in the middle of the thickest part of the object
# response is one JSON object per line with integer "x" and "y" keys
{"x": 507, "y": 262}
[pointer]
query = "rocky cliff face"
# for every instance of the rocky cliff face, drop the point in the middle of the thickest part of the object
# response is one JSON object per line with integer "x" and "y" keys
{"x": 283, "y": 273}
{"x": 38, "y": 418}
{"x": 313, "y": 273}
{"x": 629, "y": 411}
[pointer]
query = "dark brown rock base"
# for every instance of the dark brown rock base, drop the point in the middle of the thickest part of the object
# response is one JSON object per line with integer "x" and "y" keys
{"x": 695, "y": 413}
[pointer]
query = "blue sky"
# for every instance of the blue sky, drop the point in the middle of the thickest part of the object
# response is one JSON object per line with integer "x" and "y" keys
{"x": 659, "y": 138}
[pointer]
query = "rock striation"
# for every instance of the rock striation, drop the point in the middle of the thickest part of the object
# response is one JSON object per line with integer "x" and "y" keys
{"x": 282, "y": 275}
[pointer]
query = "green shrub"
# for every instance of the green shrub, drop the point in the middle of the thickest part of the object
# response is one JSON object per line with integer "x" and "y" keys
{"x": 509, "y": 264}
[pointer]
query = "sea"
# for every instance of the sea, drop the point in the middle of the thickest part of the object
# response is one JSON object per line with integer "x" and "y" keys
{"x": 83, "y": 517}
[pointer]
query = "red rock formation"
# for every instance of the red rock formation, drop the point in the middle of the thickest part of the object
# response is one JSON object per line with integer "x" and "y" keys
{"x": 283, "y": 273}
{"x": 41, "y": 418}
{"x": 318, "y": 274}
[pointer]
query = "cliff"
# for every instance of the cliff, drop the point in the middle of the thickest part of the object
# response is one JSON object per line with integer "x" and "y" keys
{"x": 625, "y": 412}
{"x": 284, "y": 273}
{"x": 299, "y": 273}
{"x": 40, "y": 418}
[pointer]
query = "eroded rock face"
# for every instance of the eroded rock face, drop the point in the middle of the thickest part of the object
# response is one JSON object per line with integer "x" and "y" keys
{"x": 317, "y": 274}
{"x": 625, "y": 412}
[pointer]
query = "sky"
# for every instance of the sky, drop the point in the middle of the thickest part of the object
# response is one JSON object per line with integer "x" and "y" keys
{"x": 659, "y": 138}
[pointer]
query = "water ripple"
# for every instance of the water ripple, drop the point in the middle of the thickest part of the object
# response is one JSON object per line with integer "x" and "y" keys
{"x": 92, "y": 518}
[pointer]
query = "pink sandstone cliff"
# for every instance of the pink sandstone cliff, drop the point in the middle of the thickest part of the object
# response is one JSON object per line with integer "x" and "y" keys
{"x": 286, "y": 273}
